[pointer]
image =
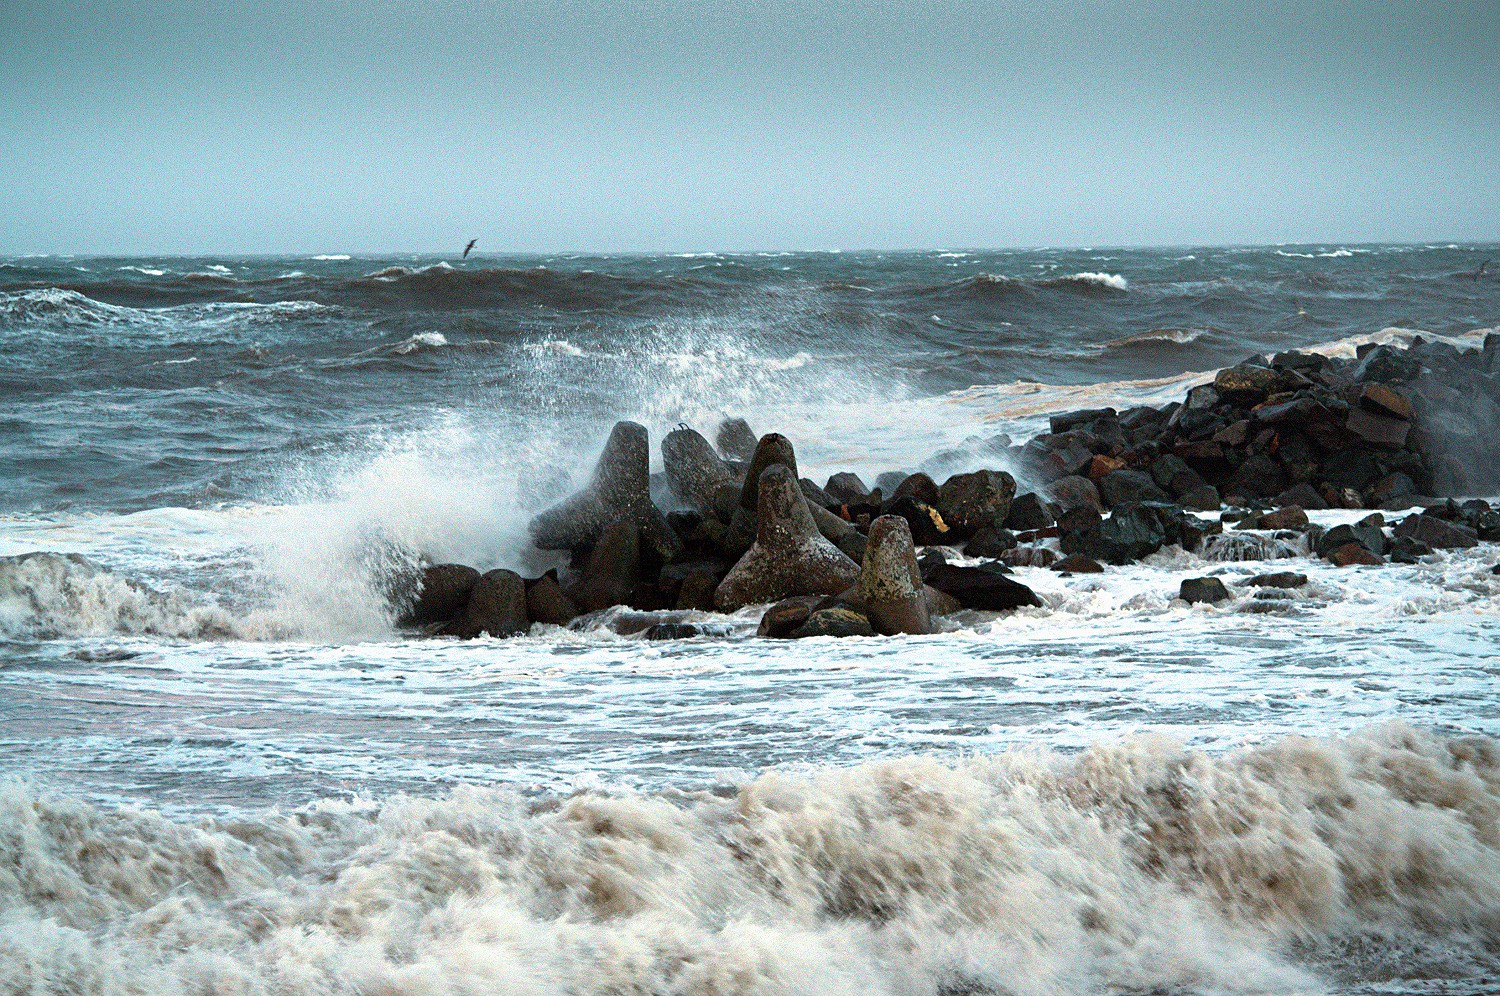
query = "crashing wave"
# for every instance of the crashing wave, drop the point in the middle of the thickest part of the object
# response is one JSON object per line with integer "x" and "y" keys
{"x": 1236, "y": 546}
{"x": 1090, "y": 281}
{"x": 1136, "y": 866}
{"x": 55, "y": 305}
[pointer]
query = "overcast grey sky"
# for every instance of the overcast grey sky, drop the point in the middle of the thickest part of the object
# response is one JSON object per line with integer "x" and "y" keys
{"x": 202, "y": 127}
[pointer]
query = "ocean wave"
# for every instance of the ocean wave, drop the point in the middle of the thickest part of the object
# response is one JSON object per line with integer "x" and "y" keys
{"x": 1151, "y": 337}
{"x": 55, "y": 305}
{"x": 1111, "y": 282}
{"x": 1136, "y": 865}
{"x": 1398, "y": 336}
{"x": 330, "y": 257}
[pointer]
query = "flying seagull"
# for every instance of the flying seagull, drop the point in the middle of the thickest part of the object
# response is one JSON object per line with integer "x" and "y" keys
{"x": 471, "y": 245}
{"x": 1480, "y": 272}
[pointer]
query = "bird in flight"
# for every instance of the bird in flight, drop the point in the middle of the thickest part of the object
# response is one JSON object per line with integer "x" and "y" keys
{"x": 1480, "y": 272}
{"x": 471, "y": 245}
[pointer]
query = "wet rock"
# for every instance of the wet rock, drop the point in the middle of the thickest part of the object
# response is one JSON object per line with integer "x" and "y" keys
{"x": 970, "y": 502}
{"x": 1289, "y": 517}
{"x": 1303, "y": 495}
{"x": 835, "y": 621}
{"x": 1196, "y": 590}
{"x": 1075, "y": 492}
{"x": 1130, "y": 533}
{"x": 1067, "y": 421}
{"x": 1246, "y": 384}
{"x": 1407, "y": 550}
{"x": 694, "y": 471}
{"x": 889, "y": 481}
{"x": 926, "y": 523}
{"x": 1101, "y": 466}
{"x": 620, "y": 489}
{"x": 1027, "y": 511}
{"x": 919, "y": 486}
{"x": 1372, "y": 539}
{"x": 612, "y": 571}
{"x": 1381, "y": 400}
{"x": 546, "y": 602}
{"x": 976, "y": 588}
{"x": 1384, "y": 364}
{"x": 773, "y": 448}
{"x": 1353, "y": 554}
{"x": 697, "y": 591}
{"x": 1437, "y": 533}
{"x": 1203, "y": 499}
{"x": 1077, "y": 563}
{"x": 1278, "y": 579}
{"x": 789, "y": 557}
{"x": 782, "y": 619}
{"x": 989, "y": 543}
{"x": 890, "y": 582}
{"x": 442, "y": 594}
{"x": 1124, "y": 486}
{"x": 1029, "y": 556}
{"x": 846, "y": 487}
{"x": 673, "y": 631}
{"x": 735, "y": 439}
{"x": 1377, "y": 429}
{"x": 497, "y": 607}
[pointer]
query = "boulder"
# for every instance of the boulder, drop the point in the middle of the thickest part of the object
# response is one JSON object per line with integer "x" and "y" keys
{"x": 1028, "y": 556}
{"x": 1407, "y": 550}
{"x": 926, "y": 523}
{"x": 969, "y": 502}
{"x": 1246, "y": 384}
{"x": 443, "y": 592}
{"x": 612, "y": 570}
{"x": 1354, "y": 554}
{"x": 1437, "y": 533}
{"x": 1369, "y": 537}
{"x": 673, "y": 631}
{"x": 816, "y": 496}
{"x": 1203, "y": 499}
{"x": 1257, "y": 477}
{"x": 846, "y": 487}
{"x": 1385, "y": 364}
{"x": 1075, "y": 492}
{"x": 1102, "y": 465}
{"x": 697, "y": 590}
{"x": 1377, "y": 429}
{"x": 919, "y": 486}
{"x": 1130, "y": 533}
{"x": 989, "y": 542}
{"x": 546, "y": 602}
{"x": 735, "y": 439}
{"x": 782, "y": 619}
{"x": 1122, "y": 486}
{"x": 1278, "y": 579}
{"x": 976, "y": 588}
{"x": 497, "y": 607}
{"x": 620, "y": 489}
{"x": 1195, "y": 590}
{"x": 1288, "y": 517}
{"x": 1303, "y": 495}
{"x": 1027, "y": 511}
{"x": 694, "y": 471}
{"x": 834, "y": 621}
{"x": 890, "y": 584}
{"x": 788, "y": 557}
{"x": 1387, "y": 402}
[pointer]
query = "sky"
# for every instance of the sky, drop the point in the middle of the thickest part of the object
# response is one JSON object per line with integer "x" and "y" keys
{"x": 415, "y": 125}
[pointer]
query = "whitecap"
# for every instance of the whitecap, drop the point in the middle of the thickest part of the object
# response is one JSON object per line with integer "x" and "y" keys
{"x": 330, "y": 257}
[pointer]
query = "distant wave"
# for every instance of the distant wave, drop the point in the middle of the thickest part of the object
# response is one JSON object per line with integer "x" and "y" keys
{"x": 55, "y": 305}
{"x": 1112, "y": 282}
{"x": 999, "y": 286}
{"x": 1180, "y": 337}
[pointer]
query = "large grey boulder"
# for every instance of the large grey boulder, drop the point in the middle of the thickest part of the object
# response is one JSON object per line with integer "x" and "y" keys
{"x": 620, "y": 489}
{"x": 693, "y": 469}
{"x": 890, "y": 591}
{"x": 789, "y": 557}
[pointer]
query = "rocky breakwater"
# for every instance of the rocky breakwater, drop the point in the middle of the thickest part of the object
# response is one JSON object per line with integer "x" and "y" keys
{"x": 734, "y": 526}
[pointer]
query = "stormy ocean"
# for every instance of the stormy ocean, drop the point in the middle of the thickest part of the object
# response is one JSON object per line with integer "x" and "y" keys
{"x": 224, "y": 770}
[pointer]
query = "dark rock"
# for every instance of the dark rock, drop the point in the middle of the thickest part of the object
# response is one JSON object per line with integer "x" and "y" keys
{"x": 1130, "y": 533}
{"x": 1078, "y": 520}
{"x": 969, "y": 502}
{"x": 1027, "y": 511}
{"x": 1068, "y": 421}
{"x": 834, "y": 622}
{"x": 890, "y": 582}
{"x": 1372, "y": 539}
{"x": 497, "y": 606}
{"x": 1201, "y": 397}
{"x": 990, "y": 543}
{"x": 773, "y": 448}
{"x": 1354, "y": 554}
{"x": 546, "y": 602}
{"x": 1351, "y": 468}
{"x": 934, "y": 557}
{"x": 694, "y": 471}
{"x": 1067, "y": 458}
{"x": 735, "y": 439}
{"x": 975, "y": 588}
{"x": 1233, "y": 434}
{"x": 1195, "y": 590}
{"x": 1487, "y": 526}
{"x": 1124, "y": 486}
{"x": 890, "y": 480}
{"x": 845, "y": 487}
{"x": 697, "y": 591}
{"x": 783, "y": 618}
{"x": 1075, "y": 492}
{"x": 816, "y": 496}
{"x": 1278, "y": 579}
{"x": 1167, "y": 467}
{"x": 442, "y": 594}
{"x": 1246, "y": 384}
{"x": 1407, "y": 550}
{"x": 1203, "y": 499}
{"x": 789, "y": 557}
{"x": 1287, "y": 517}
{"x": 1028, "y": 556}
{"x": 919, "y": 486}
{"x": 1257, "y": 477}
{"x": 1385, "y": 364}
{"x": 1302, "y": 495}
{"x": 1102, "y": 465}
{"x": 1386, "y": 402}
{"x": 1078, "y": 564}
{"x": 1193, "y": 531}
{"x": 1302, "y": 362}
{"x": 620, "y": 489}
{"x": 1436, "y": 533}
{"x": 612, "y": 570}
{"x": 926, "y": 522}
{"x": 1377, "y": 429}
{"x": 673, "y": 631}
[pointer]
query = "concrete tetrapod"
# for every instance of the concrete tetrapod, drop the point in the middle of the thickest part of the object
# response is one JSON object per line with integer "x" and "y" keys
{"x": 620, "y": 489}
{"x": 613, "y": 569}
{"x": 774, "y": 448}
{"x": 788, "y": 557}
{"x": 693, "y": 469}
{"x": 890, "y": 583}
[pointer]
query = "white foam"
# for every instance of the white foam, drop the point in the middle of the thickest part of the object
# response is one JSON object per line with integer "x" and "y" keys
{"x": 330, "y": 257}
{"x": 1113, "y": 281}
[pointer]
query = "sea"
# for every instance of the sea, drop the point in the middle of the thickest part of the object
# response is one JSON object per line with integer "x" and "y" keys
{"x": 224, "y": 771}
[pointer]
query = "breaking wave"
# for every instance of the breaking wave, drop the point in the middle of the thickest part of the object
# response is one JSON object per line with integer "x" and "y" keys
{"x": 1136, "y": 866}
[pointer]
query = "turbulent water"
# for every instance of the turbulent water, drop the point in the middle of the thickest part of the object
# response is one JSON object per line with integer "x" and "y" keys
{"x": 222, "y": 770}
